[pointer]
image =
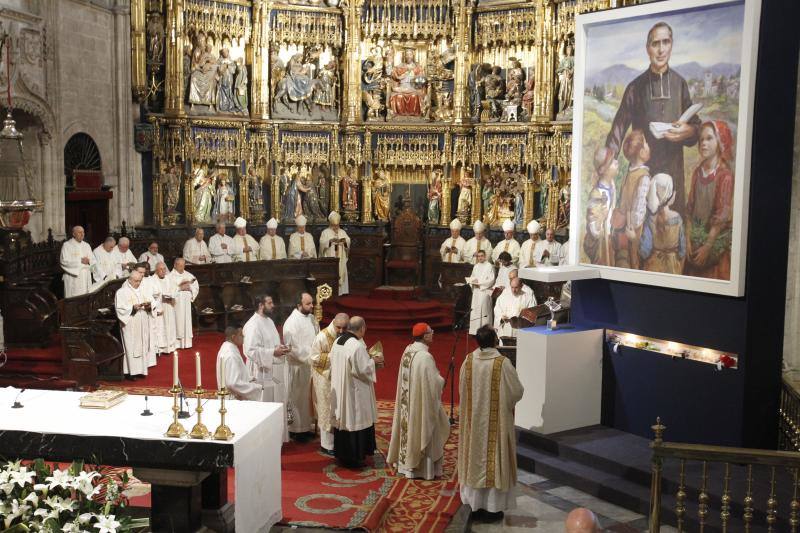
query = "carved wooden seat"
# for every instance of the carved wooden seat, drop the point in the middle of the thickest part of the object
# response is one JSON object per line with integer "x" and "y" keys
{"x": 404, "y": 261}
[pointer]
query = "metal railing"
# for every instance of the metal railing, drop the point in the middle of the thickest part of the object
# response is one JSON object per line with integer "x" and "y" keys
{"x": 789, "y": 418}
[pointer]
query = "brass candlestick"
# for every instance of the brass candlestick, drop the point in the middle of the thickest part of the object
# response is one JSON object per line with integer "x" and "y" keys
{"x": 199, "y": 431}
{"x": 222, "y": 432}
{"x": 176, "y": 429}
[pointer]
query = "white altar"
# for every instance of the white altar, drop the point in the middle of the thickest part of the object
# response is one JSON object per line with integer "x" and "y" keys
{"x": 562, "y": 373}
{"x": 51, "y": 424}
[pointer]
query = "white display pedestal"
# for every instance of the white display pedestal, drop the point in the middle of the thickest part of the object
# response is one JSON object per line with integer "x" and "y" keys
{"x": 562, "y": 374}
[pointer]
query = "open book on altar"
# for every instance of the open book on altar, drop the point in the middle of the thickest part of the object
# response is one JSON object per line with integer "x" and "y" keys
{"x": 103, "y": 399}
{"x": 658, "y": 129}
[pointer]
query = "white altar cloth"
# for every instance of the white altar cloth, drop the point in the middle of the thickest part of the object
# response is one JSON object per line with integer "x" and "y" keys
{"x": 257, "y": 427}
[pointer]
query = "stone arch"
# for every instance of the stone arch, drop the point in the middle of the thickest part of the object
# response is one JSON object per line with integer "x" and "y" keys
{"x": 81, "y": 153}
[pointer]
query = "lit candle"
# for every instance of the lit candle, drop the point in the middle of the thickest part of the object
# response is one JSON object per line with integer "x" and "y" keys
{"x": 175, "y": 368}
{"x": 197, "y": 367}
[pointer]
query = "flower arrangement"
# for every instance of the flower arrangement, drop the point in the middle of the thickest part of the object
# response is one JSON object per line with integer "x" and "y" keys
{"x": 35, "y": 496}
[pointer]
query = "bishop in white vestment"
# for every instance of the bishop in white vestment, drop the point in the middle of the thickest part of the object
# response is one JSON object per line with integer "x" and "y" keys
{"x": 321, "y": 377}
{"x": 152, "y": 257}
{"x": 123, "y": 258}
{"x": 131, "y": 305}
{"x": 301, "y": 243}
{"x": 481, "y": 280}
{"x": 476, "y": 243}
{"x": 187, "y": 291}
{"x": 420, "y": 426}
{"x": 511, "y": 302}
{"x": 334, "y": 242}
{"x": 353, "y": 407}
{"x": 489, "y": 388}
{"x": 77, "y": 261}
{"x": 231, "y": 372}
{"x": 245, "y": 247}
{"x": 195, "y": 250}
{"x": 221, "y": 246}
{"x": 271, "y": 245}
{"x": 166, "y": 337}
{"x": 299, "y": 332}
{"x": 509, "y": 244}
{"x": 526, "y": 258}
{"x": 548, "y": 251}
{"x": 452, "y": 249}
{"x": 104, "y": 255}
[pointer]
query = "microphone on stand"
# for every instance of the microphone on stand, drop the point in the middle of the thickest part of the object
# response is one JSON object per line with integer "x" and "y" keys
{"x": 182, "y": 413}
{"x": 16, "y": 404}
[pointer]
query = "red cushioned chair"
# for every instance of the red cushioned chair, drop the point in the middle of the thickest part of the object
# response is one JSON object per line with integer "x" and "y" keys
{"x": 403, "y": 265}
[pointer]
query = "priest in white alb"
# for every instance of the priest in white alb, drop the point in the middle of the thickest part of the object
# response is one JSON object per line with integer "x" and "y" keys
{"x": 133, "y": 311}
{"x": 420, "y": 427}
{"x": 526, "y": 258}
{"x": 187, "y": 288}
{"x": 166, "y": 338}
{"x": 231, "y": 372}
{"x": 77, "y": 261}
{"x": 334, "y": 242}
{"x": 151, "y": 290}
{"x": 195, "y": 250}
{"x": 104, "y": 255}
{"x": 548, "y": 251}
{"x": 476, "y": 243}
{"x": 301, "y": 243}
{"x": 124, "y": 259}
{"x": 321, "y": 378}
{"x": 221, "y": 245}
{"x": 489, "y": 388}
{"x": 299, "y": 332}
{"x": 271, "y": 245}
{"x": 511, "y": 302}
{"x": 354, "y": 410}
{"x": 151, "y": 256}
{"x": 245, "y": 247}
{"x": 509, "y": 244}
{"x": 481, "y": 280}
{"x": 452, "y": 249}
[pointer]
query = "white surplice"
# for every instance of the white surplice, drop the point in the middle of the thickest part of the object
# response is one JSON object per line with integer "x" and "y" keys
{"x": 509, "y": 305}
{"x": 271, "y": 247}
{"x": 353, "y": 405}
{"x": 151, "y": 290}
{"x": 237, "y": 379}
{"x": 473, "y": 245}
{"x": 121, "y": 257}
{"x": 299, "y": 332}
{"x": 321, "y": 382}
{"x": 167, "y": 340}
{"x": 489, "y": 388}
{"x": 183, "y": 307}
{"x": 218, "y": 253}
{"x": 526, "y": 258}
{"x": 300, "y": 244}
{"x": 193, "y": 250}
{"x": 502, "y": 277}
{"x": 553, "y": 248}
{"x": 77, "y": 275}
{"x": 420, "y": 426}
{"x": 135, "y": 328}
{"x": 105, "y": 264}
{"x": 152, "y": 259}
{"x": 507, "y": 245}
{"x": 260, "y": 340}
{"x": 327, "y": 248}
{"x": 481, "y": 307}
{"x": 238, "y": 253}
{"x": 449, "y": 256}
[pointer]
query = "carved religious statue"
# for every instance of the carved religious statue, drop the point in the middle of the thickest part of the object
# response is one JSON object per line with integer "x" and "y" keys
{"x": 495, "y": 91}
{"x": 203, "y": 79}
{"x": 240, "y": 88}
{"x": 203, "y": 194}
{"x": 255, "y": 195}
{"x": 224, "y": 199}
{"x": 171, "y": 187}
{"x": 350, "y": 190}
{"x": 566, "y": 73}
{"x": 327, "y": 87}
{"x": 309, "y": 196}
{"x": 434, "y": 196}
{"x": 381, "y": 191}
{"x": 291, "y": 202}
{"x": 464, "y": 209}
{"x": 324, "y": 188}
{"x": 407, "y": 87}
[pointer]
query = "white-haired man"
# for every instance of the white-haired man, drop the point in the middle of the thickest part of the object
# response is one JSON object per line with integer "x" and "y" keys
{"x": 166, "y": 337}
{"x": 133, "y": 309}
{"x": 321, "y": 378}
{"x": 77, "y": 262}
{"x": 245, "y": 247}
{"x": 220, "y": 245}
{"x": 452, "y": 249}
{"x": 477, "y": 243}
{"x": 526, "y": 251}
{"x": 187, "y": 291}
{"x": 195, "y": 250}
{"x": 152, "y": 257}
{"x": 124, "y": 260}
{"x": 104, "y": 255}
{"x": 509, "y": 244}
{"x": 334, "y": 242}
{"x": 271, "y": 246}
{"x": 548, "y": 251}
{"x": 301, "y": 243}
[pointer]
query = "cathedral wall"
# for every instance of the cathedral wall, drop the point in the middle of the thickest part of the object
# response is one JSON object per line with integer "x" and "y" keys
{"x": 791, "y": 344}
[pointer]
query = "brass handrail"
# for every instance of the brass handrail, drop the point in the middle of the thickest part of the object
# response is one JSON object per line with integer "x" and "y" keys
{"x": 789, "y": 418}
{"x": 724, "y": 454}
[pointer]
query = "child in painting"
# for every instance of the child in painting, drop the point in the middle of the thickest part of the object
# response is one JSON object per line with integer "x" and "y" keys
{"x": 628, "y": 217}
{"x": 709, "y": 209}
{"x": 662, "y": 247}
{"x": 602, "y": 199}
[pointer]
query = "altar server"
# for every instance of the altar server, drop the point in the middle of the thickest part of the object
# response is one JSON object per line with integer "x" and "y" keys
{"x": 124, "y": 260}
{"x": 231, "y": 372}
{"x": 271, "y": 245}
{"x": 104, "y": 255}
{"x": 420, "y": 427}
{"x": 476, "y": 243}
{"x": 299, "y": 332}
{"x": 504, "y": 268}
{"x": 334, "y": 242}
{"x": 152, "y": 257}
{"x": 452, "y": 249}
{"x": 245, "y": 247}
{"x": 77, "y": 261}
{"x": 133, "y": 311}
{"x": 187, "y": 291}
{"x": 301, "y": 244}
{"x": 509, "y": 244}
{"x": 321, "y": 378}
{"x": 353, "y": 407}
{"x": 489, "y": 389}
{"x": 195, "y": 250}
{"x": 166, "y": 339}
{"x": 481, "y": 281}
{"x": 221, "y": 245}
{"x": 510, "y": 304}
{"x": 526, "y": 250}
{"x": 548, "y": 251}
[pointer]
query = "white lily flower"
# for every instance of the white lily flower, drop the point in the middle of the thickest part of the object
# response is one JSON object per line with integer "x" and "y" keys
{"x": 83, "y": 482}
{"x": 107, "y": 524}
{"x": 60, "y": 478}
{"x": 33, "y": 498}
{"x": 85, "y": 518}
{"x": 13, "y": 466}
{"x": 61, "y": 504}
{"x": 22, "y": 477}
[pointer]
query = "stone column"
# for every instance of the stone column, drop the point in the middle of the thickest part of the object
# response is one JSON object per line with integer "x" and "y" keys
{"x": 791, "y": 335}
{"x": 173, "y": 93}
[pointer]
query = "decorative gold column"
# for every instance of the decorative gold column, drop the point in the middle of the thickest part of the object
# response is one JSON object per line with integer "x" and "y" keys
{"x": 259, "y": 87}
{"x": 352, "y": 87}
{"x": 529, "y": 199}
{"x": 477, "y": 204}
{"x": 138, "y": 51}
{"x": 366, "y": 204}
{"x": 447, "y": 183}
{"x": 462, "y": 40}
{"x": 158, "y": 200}
{"x": 173, "y": 94}
{"x": 276, "y": 175}
{"x": 543, "y": 92}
